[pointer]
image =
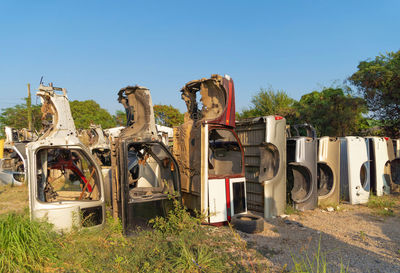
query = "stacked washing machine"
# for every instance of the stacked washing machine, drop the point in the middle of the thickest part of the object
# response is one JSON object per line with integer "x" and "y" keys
{"x": 328, "y": 170}
{"x": 354, "y": 170}
{"x": 264, "y": 143}
{"x": 302, "y": 168}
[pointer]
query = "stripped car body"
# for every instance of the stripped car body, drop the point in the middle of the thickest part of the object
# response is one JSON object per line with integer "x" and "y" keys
{"x": 145, "y": 179}
{"x": 65, "y": 182}
{"x": 209, "y": 153}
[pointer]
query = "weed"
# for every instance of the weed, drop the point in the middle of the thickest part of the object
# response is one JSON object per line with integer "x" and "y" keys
{"x": 362, "y": 235}
{"x": 380, "y": 202}
{"x": 290, "y": 210}
{"x": 381, "y": 205}
{"x": 316, "y": 264}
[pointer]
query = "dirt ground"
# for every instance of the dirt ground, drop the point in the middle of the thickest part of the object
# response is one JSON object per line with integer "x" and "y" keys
{"x": 13, "y": 199}
{"x": 356, "y": 237}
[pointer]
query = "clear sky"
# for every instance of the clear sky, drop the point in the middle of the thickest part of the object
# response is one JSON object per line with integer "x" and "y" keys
{"x": 94, "y": 48}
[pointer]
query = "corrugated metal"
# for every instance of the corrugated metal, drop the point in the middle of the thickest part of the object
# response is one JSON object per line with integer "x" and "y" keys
{"x": 251, "y": 136}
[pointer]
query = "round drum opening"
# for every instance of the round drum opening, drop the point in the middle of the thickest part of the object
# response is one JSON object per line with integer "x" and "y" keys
{"x": 325, "y": 179}
{"x": 269, "y": 161}
{"x": 364, "y": 176}
{"x": 395, "y": 170}
{"x": 299, "y": 180}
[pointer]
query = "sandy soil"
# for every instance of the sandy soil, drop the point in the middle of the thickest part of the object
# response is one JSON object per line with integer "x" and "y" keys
{"x": 354, "y": 237}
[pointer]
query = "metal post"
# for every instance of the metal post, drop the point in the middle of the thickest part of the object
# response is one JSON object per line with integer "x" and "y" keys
{"x": 28, "y": 105}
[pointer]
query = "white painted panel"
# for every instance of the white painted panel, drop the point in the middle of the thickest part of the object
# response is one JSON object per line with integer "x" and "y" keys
{"x": 217, "y": 200}
{"x": 356, "y": 157}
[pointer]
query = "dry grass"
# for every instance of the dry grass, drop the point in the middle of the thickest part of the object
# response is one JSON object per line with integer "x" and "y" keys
{"x": 13, "y": 199}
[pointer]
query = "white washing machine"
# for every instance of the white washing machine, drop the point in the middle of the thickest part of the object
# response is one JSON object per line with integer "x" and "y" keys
{"x": 379, "y": 165}
{"x": 354, "y": 170}
{"x": 396, "y": 147}
{"x": 328, "y": 170}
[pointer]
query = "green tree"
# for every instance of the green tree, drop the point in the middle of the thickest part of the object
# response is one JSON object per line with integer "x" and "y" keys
{"x": 120, "y": 118}
{"x": 332, "y": 112}
{"x": 86, "y": 112}
{"x": 83, "y": 112}
{"x": 167, "y": 115}
{"x": 17, "y": 117}
{"x": 270, "y": 102}
{"x": 378, "y": 81}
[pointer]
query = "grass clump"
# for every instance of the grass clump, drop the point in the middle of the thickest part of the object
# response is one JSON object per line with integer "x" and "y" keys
{"x": 381, "y": 205}
{"x": 25, "y": 245}
{"x": 316, "y": 264}
{"x": 289, "y": 210}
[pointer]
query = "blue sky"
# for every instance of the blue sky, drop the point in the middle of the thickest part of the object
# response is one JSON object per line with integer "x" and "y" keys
{"x": 94, "y": 48}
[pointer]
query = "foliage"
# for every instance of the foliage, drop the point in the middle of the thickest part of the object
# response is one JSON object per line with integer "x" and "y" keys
{"x": 332, "y": 112}
{"x": 86, "y": 112}
{"x": 120, "y": 118}
{"x": 25, "y": 245}
{"x": 17, "y": 117}
{"x": 378, "y": 81}
{"x": 167, "y": 115}
{"x": 270, "y": 102}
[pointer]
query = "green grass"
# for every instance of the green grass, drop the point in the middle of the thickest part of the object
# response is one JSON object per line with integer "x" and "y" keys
{"x": 177, "y": 243}
{"x": 25, "y": 245}
{"x": 381, "y": 205}
{"x": 291, "y": 210}
{"x": 363, "y": 235}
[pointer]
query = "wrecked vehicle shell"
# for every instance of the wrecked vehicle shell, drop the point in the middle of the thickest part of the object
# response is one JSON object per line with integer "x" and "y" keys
{"x": 146, "y": 176}
{"x": 209, "y": 153}
{"x": 65, "y": 182}
{"x": 13, "y": 166}
{"x": 13, "y": 159}
{"x": 99, "y": 145}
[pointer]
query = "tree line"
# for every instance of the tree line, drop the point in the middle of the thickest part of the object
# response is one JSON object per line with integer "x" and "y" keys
{"x": 368, "y": 103}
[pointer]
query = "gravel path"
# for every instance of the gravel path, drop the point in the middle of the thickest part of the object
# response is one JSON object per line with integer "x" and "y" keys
{"x": 355, "y": 237}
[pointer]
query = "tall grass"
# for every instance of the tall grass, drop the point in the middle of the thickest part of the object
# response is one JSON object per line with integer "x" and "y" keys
{"x": 25, "y": 245}
{"x": 317, "y": 263}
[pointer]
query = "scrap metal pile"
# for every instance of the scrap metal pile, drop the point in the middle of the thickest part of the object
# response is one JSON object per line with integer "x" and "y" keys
{"x": 216, "y": 165}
